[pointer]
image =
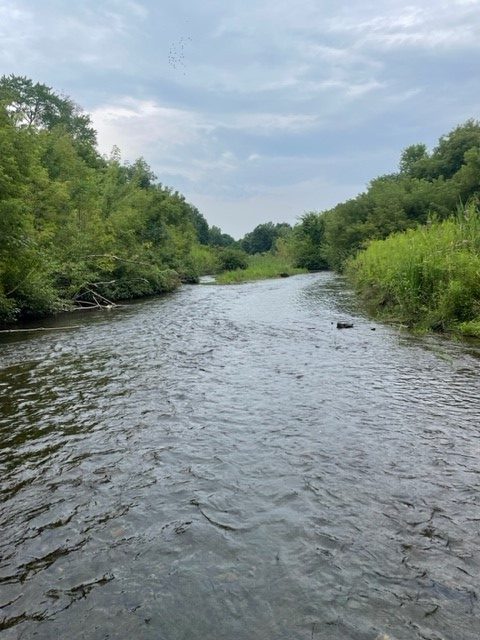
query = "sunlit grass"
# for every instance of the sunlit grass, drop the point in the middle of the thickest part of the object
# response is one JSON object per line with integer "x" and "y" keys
{"x": 260, "y": 266}
{"x": 428, "y": 277}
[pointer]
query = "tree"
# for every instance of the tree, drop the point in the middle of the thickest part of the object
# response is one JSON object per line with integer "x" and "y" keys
{"x": 263, "y": 237}
{"x": 200, "y": 224}
{"x": 231, "y": 259}
{"x": 38, "y": 106}
{"x": 219, "y": 239}
{"x": 411, "y": 156}
{"x": 449, "y": 154}
{"x": 308, "y": 242}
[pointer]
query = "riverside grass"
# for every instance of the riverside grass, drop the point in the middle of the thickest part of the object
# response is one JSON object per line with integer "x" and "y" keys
{"x": 428, "y": 277}
{"x": 260, "y": 267}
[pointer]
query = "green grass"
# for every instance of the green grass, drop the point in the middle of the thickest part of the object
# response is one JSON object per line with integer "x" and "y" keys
{"x": 260, "y": 267}
{"x": 428, "y": 278}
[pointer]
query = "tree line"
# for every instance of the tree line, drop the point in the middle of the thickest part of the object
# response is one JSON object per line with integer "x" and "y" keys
{"x": 410, "y": 243}
{"x": 78, "y": 229}
{"x": 427, "y": 186}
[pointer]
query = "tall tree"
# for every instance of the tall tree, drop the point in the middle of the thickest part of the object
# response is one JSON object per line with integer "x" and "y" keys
{"x": 37, "y": 105}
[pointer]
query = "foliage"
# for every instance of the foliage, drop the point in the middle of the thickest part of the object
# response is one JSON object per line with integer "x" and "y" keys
{"x": 38, "y": 106}
{"x": 218, "y": 239}
{"x": 427, "y": 276}
{"x": 260, "y": 266}
{"x": 76, "y": 227}
{"x": 264, "y": 236}
{"x": 205, "y": 260}
{"x": 307, "y": 242}
{"x": 231, "y": 259}
{"x": 426, "y": 184}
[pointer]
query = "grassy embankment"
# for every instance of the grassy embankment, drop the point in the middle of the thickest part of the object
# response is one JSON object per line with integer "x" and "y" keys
{"x": 427, "y": 278}
{"x": 260, "y": 267}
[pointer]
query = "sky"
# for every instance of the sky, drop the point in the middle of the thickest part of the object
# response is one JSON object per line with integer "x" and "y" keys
{"x": 255, "y": 110}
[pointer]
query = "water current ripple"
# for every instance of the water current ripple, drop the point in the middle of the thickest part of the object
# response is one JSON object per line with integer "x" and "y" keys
{"x": 224, "y": 463}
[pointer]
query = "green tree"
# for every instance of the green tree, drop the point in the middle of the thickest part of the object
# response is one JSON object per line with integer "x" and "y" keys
{"x": 264, "y": 236}
{"x": 231, "y": 258}
{"x": 38, "y": 106}
{"x": 219, "y": 239}
{"x": 308, "y": 242}
{"x": 410, "y": 158}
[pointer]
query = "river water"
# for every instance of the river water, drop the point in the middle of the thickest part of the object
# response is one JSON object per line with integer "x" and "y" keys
{"x": 223, "y": 463}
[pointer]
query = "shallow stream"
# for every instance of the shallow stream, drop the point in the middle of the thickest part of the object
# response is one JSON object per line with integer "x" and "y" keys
{"x": 223, "y": 463}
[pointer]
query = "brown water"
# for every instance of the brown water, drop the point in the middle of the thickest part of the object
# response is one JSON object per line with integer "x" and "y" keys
{"x": 223, "y": 463}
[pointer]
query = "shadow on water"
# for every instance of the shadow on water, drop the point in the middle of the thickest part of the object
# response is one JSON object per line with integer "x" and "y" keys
{"x": 225, "y": 463}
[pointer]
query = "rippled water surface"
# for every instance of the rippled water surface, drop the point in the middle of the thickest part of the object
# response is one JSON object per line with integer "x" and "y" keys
{"x": 223, "y": 463}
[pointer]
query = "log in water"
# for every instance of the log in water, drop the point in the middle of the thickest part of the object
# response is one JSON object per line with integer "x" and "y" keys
{"x": 224, "y": 463}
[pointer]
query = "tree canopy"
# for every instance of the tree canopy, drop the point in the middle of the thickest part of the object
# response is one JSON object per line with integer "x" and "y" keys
{"x": 427, "y": 186}
{"x": 264, "y": 236}
{"x": 75, "y": 227}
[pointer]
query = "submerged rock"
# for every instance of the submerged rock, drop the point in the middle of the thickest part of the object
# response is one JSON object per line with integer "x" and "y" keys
{"x": 344, "y": 325}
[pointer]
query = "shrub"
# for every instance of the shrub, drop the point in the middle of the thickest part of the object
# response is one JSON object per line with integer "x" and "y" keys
{"x": 233, "y": 259}
{"x": 427, "y": 277}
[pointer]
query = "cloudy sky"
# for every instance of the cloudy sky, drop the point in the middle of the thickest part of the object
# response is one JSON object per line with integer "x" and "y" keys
{"x": 256, "y": 110}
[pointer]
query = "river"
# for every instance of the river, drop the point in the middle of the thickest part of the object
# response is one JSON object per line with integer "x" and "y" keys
{"x": 224, "y": 463}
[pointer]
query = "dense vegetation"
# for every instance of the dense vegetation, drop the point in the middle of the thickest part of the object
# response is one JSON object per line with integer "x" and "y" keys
{"x": 260, "y": 266}
{"x": 80, "y": 229}
{"x": 426, "y": 273}
{"x": 264, "y": 237}
{"x": 426, "y": 185}
{"x": 428, "y": 277}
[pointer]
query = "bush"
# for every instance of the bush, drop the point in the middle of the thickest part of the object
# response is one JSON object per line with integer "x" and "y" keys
{"x": 233, "y": 259}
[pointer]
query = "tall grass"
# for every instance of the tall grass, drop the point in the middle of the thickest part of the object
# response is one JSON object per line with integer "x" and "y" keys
{"x": 428, "y": 277}
{"x": 204, "y": 260}
{"x": 260, "y": 266}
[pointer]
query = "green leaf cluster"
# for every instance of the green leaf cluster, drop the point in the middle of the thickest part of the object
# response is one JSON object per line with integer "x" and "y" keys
{"x": 77, "y": 227}
{"x": 264, "y": 237}
{"x": 426, "y": 277}
{"x": 427, "y": 185}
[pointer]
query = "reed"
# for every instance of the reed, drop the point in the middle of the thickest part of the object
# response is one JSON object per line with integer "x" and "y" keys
{"x": 428, "y": 277}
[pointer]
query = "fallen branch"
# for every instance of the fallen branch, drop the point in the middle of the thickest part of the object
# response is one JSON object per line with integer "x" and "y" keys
{"x": 99, "y": 301}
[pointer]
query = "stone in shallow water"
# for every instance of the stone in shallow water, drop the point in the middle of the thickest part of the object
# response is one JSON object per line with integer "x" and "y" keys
{"x": 344, "y": 325}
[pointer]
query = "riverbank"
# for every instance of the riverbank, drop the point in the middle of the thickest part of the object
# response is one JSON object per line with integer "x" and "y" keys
{"x": 260, "y": 267}
{"x": 426, "y": 278}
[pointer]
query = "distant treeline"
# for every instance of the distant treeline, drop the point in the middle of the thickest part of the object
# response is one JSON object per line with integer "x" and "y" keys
{"x": 79, "y": 229}
{"x": 426, "y": 273}
{"x": 410, "y": 243}
{"x": 427, "y": 186}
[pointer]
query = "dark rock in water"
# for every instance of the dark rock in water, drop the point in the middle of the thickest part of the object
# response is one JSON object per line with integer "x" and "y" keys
{"x": 344, "y": 325}
{"x": 284, "y": 275}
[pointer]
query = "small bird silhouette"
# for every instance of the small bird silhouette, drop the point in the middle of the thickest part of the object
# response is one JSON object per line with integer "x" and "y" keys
{"x": 176, "y": 55}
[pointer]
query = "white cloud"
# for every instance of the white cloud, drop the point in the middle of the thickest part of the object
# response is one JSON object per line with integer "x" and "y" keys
{"x": 259, "y": 80}
{"x": 137, "y": 126}
{"x": 16, "y": 30}
{"x": 422, "y": 25}
{"x": 267, "y": 123}
{"x": 237, "y": 216}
